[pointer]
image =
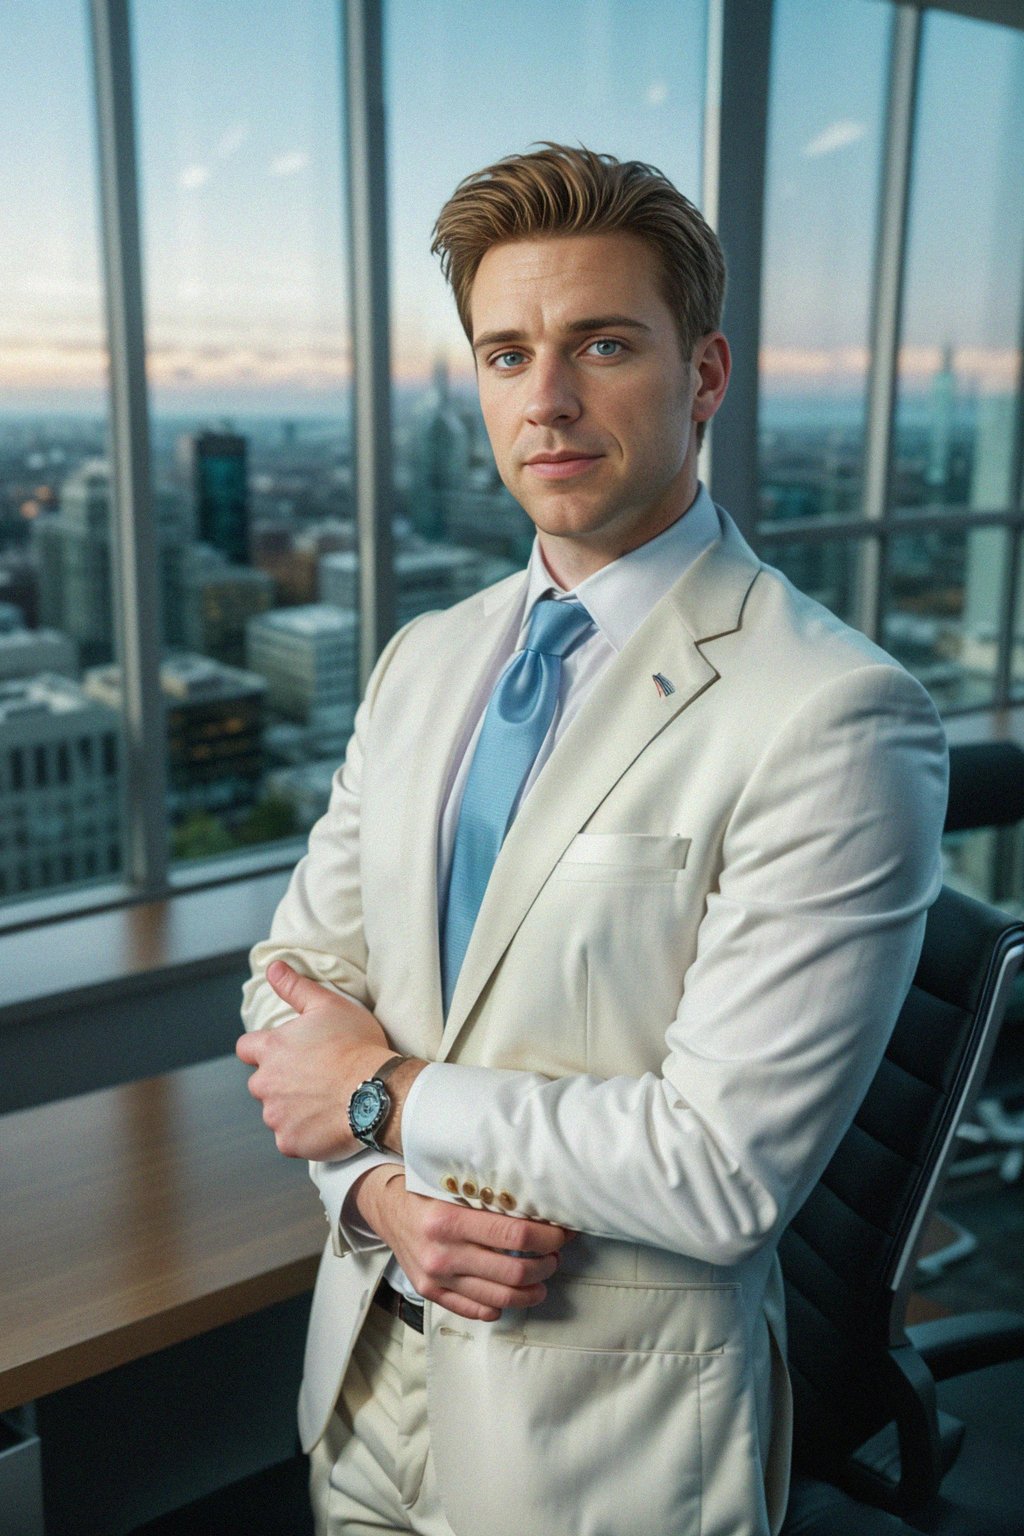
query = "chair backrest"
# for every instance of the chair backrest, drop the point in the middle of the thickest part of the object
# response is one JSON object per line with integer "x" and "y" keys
{"x": 848, "y": 1255}
{"x": 986, "y": 785}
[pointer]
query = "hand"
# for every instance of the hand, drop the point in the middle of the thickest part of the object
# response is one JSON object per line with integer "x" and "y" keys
{"x": 307, "y": 1068}
{"x": 459, "y": 1256}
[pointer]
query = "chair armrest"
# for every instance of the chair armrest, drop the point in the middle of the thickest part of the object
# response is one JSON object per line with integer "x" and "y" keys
{"x": 953, "y": 1346}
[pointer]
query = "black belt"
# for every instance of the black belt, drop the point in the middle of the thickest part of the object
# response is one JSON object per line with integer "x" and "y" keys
{"x": 399, "y": 1306}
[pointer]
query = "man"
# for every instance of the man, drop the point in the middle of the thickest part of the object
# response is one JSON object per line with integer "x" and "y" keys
{"x": 629, "y": 861}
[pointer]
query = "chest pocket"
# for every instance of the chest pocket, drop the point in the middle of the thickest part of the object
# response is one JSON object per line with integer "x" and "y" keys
{"x": 624, "y": 858}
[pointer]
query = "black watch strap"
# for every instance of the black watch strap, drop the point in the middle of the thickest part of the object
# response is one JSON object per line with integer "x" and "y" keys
{"x": 382, "y": 1073}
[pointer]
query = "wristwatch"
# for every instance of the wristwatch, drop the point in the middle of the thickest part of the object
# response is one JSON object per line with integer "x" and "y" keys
{"x": 370, "y": 1105}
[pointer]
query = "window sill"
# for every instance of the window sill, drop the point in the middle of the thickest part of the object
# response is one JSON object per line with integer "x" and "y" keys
{"x": 92, "y": 956}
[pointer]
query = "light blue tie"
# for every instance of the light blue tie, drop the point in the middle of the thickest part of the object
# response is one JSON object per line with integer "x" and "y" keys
{"x": 515, "y": 725}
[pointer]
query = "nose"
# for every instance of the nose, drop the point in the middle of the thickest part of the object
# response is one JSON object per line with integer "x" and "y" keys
{"x": 553, "y": 397}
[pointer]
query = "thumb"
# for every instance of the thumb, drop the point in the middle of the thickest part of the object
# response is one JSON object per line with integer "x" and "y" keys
{"x": 299, "y": 991}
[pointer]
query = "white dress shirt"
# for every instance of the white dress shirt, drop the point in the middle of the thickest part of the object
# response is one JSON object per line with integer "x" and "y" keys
{"x": 618, "y": 598}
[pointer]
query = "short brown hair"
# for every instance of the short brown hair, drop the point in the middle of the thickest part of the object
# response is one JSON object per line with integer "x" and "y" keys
{"x": 559, "y": 190}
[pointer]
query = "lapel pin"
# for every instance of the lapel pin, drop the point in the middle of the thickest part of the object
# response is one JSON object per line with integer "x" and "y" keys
{"x": 663, "y": 685}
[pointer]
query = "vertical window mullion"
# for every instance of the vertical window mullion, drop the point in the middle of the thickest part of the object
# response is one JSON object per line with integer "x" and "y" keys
{"x": 363, "y": 82}
{"x": 134, "y": 544}
{"x": 890, "y": 258}
{"x": 735, "y": 140}
{"x": 1011, "y": 588}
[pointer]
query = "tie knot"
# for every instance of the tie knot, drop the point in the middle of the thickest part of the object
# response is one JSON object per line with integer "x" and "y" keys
{"x": 555, "y": 627}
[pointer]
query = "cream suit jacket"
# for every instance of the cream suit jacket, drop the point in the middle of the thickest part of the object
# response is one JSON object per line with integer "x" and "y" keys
{"x": 690, "y": 955}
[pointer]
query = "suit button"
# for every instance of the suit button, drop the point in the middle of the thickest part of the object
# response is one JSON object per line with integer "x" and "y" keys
{"x": 451, "y": 1185}
{"x": 468, "y": 1188}
{"x": 506, "y": 1200}
{"x": 487, "y": 1195}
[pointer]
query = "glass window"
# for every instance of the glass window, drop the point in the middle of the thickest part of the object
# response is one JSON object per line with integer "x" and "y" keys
{"x": 55, "y": 566}
{"x": 492, "y": 80}
{"x": 827, "y": 570}
{"x": 1017, "y": 636}
{"x": 825, "y": 136}
{"x": 248, "y": 353}
{"x": 942, "y": 610}
{"x": 960, "y": 348}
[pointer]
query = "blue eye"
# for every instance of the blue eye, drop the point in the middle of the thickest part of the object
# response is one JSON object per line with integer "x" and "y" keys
{"x": 606, "y": 347}
{"x": 505, "y": 360}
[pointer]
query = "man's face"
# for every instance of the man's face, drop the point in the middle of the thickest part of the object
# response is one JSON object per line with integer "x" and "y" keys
{"x": 587, "y": 398}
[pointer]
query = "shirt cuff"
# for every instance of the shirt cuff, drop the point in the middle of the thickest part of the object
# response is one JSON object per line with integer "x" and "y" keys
{"x": 446, "y": 1094}
{"x": 349, "y": 1234}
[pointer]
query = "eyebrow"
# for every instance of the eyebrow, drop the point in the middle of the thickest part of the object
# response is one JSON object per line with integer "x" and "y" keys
{"x": 574, "y": 328}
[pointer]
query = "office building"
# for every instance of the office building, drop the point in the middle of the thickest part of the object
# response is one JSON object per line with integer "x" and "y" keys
{"x": 214, "y": 732}
{"x": 60, "y": 785}
{"x": 26, "y": 652}
{"x": 216, "y": 465}
{"x": 72, "y": 547}
{"x": 427, "y": 576}
{"x": 308, "y": 657}
{"x": 941, "y": 423}
{"x": 218, "y": 600}
{"x": 442, "y": 440}
{"x": 306, "y": 787}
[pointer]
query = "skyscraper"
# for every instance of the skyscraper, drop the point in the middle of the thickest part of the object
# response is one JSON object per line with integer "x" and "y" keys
{"x": 217, "y": 470}
{"x": 941, "y": 411}
{"x": 73, "y": 550}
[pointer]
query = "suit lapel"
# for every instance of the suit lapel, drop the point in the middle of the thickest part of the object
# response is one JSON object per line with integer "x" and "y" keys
{"x": 436, "y": 728}
{"x": 625, "y": 711}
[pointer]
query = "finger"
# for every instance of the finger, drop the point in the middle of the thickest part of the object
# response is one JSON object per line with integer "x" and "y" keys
{"x": 249, "y": 1048}
{"x": 484, "y": 1293}
{"x": 512, "y": 1273}
{"x": 298, "y": 991}
{"x": 515, "y": 1234}
{"x": 452, "y": 1301}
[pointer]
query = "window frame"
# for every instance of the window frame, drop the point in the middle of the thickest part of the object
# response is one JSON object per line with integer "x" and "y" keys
{"x": 735, "y": 111}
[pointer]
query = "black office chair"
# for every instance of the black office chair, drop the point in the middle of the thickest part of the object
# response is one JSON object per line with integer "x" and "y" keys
{"x": 872, "y": 1444}
{"x": 986, "y": 792}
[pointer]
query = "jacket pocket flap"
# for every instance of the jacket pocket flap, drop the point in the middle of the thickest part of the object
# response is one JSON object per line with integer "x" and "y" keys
{"x": 635, "y": 850}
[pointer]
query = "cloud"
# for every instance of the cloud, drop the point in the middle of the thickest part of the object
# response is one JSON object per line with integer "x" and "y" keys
{"x": 289, "y": 164}
{"x": 193, "y": 176}
{"x": 657, "y": 93}
{"x": 232, "y": 140}
{"x": 838, "y": 135}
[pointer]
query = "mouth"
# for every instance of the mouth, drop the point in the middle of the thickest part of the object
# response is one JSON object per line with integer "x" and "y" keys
{"x": 561, "y": 466}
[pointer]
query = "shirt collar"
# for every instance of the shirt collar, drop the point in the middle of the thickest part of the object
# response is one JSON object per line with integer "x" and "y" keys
{"x": 619, "y": 596}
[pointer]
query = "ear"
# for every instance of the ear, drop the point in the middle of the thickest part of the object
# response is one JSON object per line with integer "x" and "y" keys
{"x": 713, "y": 363}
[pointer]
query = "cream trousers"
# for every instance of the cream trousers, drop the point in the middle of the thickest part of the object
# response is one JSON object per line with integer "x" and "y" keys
{"x": 373, "y": 1471}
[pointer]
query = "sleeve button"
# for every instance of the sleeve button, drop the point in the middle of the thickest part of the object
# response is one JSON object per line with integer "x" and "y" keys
{"x": 468, "y": 1188}
{"x": 487, "y": 1195}
{"x": 451, "y": 1185}
{"x": 506, "y": 1200}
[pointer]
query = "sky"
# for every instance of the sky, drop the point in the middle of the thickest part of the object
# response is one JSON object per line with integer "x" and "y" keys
{"x": 241, "y": 171}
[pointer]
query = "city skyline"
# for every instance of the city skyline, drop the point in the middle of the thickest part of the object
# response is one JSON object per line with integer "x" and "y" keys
{"x": 238, "y": 317}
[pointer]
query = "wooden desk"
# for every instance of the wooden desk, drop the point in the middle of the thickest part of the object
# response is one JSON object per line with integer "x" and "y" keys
{"x": 138, "y": 1216}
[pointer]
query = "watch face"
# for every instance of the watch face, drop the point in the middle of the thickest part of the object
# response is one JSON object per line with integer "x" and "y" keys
{"x": 365, "y": 1106}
